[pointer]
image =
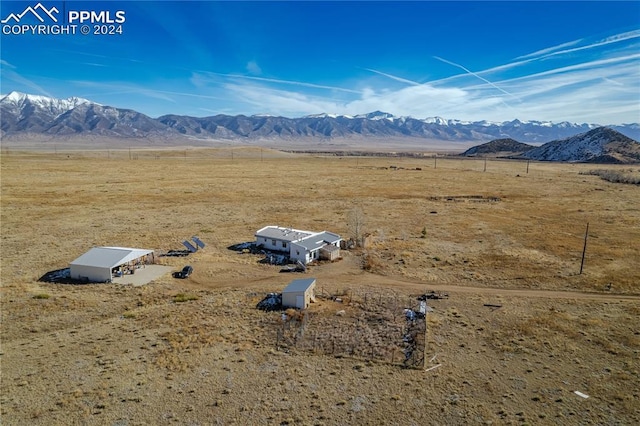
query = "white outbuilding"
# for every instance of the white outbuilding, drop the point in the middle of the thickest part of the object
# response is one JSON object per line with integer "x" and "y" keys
{"x": 100, "y": 264}
{"x": 299, "y": 293}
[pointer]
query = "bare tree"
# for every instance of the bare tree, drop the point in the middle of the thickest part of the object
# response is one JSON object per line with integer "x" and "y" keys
{"x": 356, "y": 223}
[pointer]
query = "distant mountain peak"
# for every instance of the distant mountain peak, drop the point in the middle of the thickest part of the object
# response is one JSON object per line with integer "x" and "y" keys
{"x": 600, "y": 145}
{"x": 498, "y": 147}
{"x": 376, "y": 115}
{"x": 437, "y": 120}
{"x": 18, "y": 99}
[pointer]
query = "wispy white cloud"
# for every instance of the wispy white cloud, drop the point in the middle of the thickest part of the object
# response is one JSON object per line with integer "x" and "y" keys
{"x": 281, "y": 102}
{"x": 93, "y": 64}
{"x": 602, "y": 91}
{"x": 201, "y": 77}
{"x": 9, "y": 75}
{"x": 560, "y": 49}
{"x": 549, "y": 50}
{"x": 254, "y": 68}
{"x": 413, "y": 101}
{"x": 6, "y": 64}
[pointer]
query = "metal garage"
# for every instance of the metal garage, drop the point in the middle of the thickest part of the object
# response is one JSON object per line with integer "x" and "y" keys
{"x": 101, "y": 263}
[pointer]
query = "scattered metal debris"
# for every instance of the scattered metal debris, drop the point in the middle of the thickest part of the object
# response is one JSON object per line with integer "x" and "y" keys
{"x": 271, "y": 302}
{"x": 491, "y": 305}
{"x": 57, "y": 276}
{"x": 176, "y": 253}
{"x": 433, "y": 295}
{"x": 292, "y": 268}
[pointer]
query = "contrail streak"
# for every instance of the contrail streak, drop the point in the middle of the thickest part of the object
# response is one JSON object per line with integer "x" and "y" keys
{"x": 474, "y": 74}
{"x": 393, "y": 77}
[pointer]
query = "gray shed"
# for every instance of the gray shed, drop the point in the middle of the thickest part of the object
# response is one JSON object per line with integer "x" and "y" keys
{"x": 299, "y": 293}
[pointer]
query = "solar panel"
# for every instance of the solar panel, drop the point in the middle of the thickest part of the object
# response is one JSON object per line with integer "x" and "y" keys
{"x": 189, "y": 246}
{"x": 198, "y": 242}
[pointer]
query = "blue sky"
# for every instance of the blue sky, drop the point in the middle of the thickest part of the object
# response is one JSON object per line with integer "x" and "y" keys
{"x": 558, "y": 61}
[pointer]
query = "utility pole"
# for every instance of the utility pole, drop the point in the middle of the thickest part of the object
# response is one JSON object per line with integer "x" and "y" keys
{"x": 584, "y": 249}
{"x": 424, "y": 351}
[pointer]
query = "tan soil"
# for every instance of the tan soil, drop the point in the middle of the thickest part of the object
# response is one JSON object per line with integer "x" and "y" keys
{"x": 123, "y": 355}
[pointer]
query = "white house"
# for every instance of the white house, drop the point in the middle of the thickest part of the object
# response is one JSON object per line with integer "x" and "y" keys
{"x": 303, "y": 246}
{"x": 299, "y": 293}
{"x": 99, "y": 263}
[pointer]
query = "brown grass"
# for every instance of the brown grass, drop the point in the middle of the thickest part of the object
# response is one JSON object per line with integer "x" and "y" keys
{"x": 119, "y": 354}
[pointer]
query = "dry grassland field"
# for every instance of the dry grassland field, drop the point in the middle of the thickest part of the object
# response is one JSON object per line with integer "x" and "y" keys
{"x": 198, "y": 352}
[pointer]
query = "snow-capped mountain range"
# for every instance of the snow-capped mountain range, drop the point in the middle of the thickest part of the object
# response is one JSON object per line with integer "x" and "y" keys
{"x": 23, "y": 114}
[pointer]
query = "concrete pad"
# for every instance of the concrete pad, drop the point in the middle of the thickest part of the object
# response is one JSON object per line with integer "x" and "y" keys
{"x": 143, "y": 275}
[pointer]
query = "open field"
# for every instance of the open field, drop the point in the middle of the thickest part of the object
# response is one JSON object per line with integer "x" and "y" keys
{"x": 196, "y": 351}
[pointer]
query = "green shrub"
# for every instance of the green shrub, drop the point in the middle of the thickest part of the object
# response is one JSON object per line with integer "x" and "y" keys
{"x": 41, "y": 296}
{"x": 181, "y": 297}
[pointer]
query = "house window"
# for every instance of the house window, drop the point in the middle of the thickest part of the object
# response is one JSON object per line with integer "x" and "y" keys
{"x": 284, "y": 244}
{"x": 273, "y": 242}
{"x": 298, "y": 252}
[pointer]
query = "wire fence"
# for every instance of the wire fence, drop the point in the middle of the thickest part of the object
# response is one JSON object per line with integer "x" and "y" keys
{"x": 376, "y": 326}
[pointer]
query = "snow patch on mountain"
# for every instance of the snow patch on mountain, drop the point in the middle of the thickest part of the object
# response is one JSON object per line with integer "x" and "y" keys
{"x": 436, "y": 120}
{"x": 580, "y": 148}
{"x": 54, "y": 106}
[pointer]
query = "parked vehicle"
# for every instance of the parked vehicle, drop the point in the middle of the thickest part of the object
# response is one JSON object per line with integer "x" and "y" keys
{"x": 184, "y": 273}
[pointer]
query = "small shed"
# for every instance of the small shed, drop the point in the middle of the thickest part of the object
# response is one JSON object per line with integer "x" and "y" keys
{"x": 330, "y": 252}
{"x": 100, "y": 263}
{"x": 299, "y": 293}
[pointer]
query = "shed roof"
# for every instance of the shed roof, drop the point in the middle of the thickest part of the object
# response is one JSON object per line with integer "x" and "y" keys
{"x": 299, "y": 285}
{"x": 109, "y": 257}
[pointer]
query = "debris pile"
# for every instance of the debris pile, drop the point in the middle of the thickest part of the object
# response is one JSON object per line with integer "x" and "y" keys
{"x": 271, "y": 302}
{"x": 249, "y": 246}
{"x": 176, "y": 253}
{"x": 433, "y": 295}
{"x": 298, "y": 267}
{"x": 57, "y": 276}
{"x": 275, "y": 259}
